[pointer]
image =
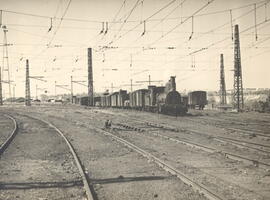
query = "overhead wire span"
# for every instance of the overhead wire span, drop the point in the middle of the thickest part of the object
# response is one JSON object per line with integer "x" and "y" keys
{"x": 1, "y": 15}
{"x": 221, "y": 26}
{"x": 211, "y": 45}
{"x": 175, "y": 27}
{"x": 111, "y": 23}
{"x": 192, "y": 28}
{"x": 151, "y": 28}
{"x": 119, "y": 21}
{"x": 231, "y": 19}
{"x": 146, "y": 19}
{"x": 144, "y": 28}
{"x": 129, "y": 14}
{"x": 265, "y": 10}
{"x": 57, "y": 28}
{"x": 50, "y": 28}
{"x": 107, "y": 28}
{"x": 255, "y": 20}
{"x": 163, "y": 35}
{"x": 102, "y": 30}
{"x": 54, "y": 34}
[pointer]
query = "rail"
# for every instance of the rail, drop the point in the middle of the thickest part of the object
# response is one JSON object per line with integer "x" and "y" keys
{"x": 211, "y": 150}
{"x": 4, "y": 146}
{"x": 200, "y": 188}
{"x": 76, "y": 158}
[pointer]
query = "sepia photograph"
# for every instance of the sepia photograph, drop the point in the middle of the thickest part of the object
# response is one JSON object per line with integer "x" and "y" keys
{"x": 134, "y": 99}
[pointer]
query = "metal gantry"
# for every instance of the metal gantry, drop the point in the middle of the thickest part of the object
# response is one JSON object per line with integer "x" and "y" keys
{"x": 222, "y": 92}
{"x": 238, "y": 96}
{"x": 5, "y": 62}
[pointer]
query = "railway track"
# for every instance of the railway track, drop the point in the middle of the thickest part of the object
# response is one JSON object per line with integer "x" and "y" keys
{"x": 11, "y": 136}
{"x": 206, "y": 148}
{"x": 197, "y": 186}
{"x": 145, "y": 125}
{"x": 249, "y": 132}
{"x": 83, "y": 175}
{"x": 75, "y": 156}
{"x": 162, "y": 165}
{"x": 236, "y": 142}
{"x": 153, "y": 126}
{"x": 201, "y": 188}
{"x": 187, "y": 180}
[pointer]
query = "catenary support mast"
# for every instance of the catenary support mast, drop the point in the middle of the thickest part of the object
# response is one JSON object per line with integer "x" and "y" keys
{"x": 238, "y": 85}
{"x": 222, "y": 92}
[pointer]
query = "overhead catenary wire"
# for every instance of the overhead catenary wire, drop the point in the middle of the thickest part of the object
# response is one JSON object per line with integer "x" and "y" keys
{"x": 148, "y": 30}
{"x": 246, "y": 13}
{"x": 61, "y": 20}
{"x": 128, "y": 21}
{"x": 175, "y": 27}
{"x": 158, "y": 11}
{"x": 255, "y": 21}
{"x": 231, "y": 19}
{"x": 55, "y": 32}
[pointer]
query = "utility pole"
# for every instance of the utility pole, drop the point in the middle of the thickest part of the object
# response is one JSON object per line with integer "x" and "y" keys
{"x": 222, "y": 92}
{"x": 5, "y": 64}
{"x": 71, "y": 88}
{"x": 90, "y": 79}
{"x": 1, "y": 95}
{"x": 131, "y": 85}
{"x": 238, "y": 85}
{"x": 27, "y": 86}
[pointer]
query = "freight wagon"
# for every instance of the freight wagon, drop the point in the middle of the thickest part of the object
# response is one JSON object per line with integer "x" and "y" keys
{"x": 197, "y": 99}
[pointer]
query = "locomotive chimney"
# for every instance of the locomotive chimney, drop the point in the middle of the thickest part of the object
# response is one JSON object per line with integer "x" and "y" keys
{"x": 173, "y": 84}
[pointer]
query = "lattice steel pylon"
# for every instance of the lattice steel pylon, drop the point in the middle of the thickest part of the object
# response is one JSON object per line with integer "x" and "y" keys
{"x": 27, "y": 85}
{"x": 222, "y": 91}
{"x": 238, "y": 96}
{"x": 5, "y": 63}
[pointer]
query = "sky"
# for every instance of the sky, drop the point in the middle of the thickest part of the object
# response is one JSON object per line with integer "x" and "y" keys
{"x": 160, "y": 38}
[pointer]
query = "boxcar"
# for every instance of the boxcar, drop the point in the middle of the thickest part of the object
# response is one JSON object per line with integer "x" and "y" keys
{"x": 97, "y": 101}
{"x": 103, "y": 101}
{"x": 83, "y": 100}
{"x": 114, "y": 99}
{"x": 122, "y": 97}
{"x": 197, "y": 99}
{"x": 108, "y": 100}
{"x": 132, "y": 99}
{"x": 140, "y": 98}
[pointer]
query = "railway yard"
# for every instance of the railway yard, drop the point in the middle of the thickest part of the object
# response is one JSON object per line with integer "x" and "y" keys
{"x": 202, "y": 155}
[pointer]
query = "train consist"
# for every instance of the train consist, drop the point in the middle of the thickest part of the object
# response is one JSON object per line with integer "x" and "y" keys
{"x": 160, "y": 99}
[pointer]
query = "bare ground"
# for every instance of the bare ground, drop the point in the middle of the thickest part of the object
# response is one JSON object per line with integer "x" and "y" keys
{"x": 119, "y": 173}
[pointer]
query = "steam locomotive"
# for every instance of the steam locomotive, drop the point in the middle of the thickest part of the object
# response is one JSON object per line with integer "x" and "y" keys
{"x": 161, "y": 99}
